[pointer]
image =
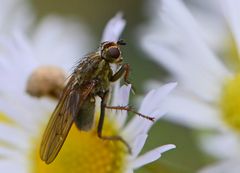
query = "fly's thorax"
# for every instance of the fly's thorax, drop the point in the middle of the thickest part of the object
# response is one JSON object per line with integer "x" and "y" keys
{"x": 95, "y": 68}
{"x": 88, "y": 68}
{"x": 103, "y": 73}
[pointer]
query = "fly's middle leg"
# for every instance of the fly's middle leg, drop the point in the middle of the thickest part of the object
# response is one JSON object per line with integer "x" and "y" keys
{"x": 130, "y": 109}
{"x": 104, "y": 98}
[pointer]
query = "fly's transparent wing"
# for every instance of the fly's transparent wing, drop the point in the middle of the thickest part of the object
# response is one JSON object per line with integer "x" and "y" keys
{"x": 62, "y": 120}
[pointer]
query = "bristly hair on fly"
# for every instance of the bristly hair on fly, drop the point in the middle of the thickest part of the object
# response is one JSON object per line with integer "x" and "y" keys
{"x": 91, "y": 78}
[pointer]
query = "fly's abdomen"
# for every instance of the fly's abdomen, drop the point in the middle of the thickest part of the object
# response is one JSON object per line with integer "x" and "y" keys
{"x": 85, "y": 116}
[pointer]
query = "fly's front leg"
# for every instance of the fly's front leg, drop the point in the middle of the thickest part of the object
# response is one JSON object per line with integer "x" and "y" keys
{"x": 123, "y": 70}
{"x": 104, "y": 98}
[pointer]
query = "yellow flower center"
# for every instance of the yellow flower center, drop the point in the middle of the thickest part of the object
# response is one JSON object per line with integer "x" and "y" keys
{"x": 84, "y": 152}
{"x": 230, "y": 102}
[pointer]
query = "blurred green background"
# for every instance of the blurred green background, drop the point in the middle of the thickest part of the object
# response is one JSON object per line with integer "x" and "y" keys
{"x": 186, "y": 158}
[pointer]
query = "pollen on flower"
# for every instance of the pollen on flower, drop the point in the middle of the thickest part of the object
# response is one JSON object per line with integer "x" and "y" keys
{"x": 232, "y": 57}
{"x": 4, "y": 118}
{"x": 230, "y": 102}
{"x": 46, "y": 81}
{"x": 86, "y": 152}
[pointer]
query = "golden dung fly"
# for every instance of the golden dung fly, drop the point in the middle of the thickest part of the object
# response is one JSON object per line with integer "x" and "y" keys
{"x": 91, "y": 77}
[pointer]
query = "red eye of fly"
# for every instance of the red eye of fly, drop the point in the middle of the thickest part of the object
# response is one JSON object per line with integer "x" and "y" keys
{"x": 114, "y": 52}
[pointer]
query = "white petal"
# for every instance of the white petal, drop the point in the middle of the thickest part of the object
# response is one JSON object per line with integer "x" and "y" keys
{"x": 114, "y": 28}
{"x": 232, "y": 14}
{"x": 212, "y": 23}
{"x": 207, "y": 85}
{"x": 151, "y": 156}
{"x": 188, "y": 52}
{"x": 139, "y": 125}
{"x": 150, "y": 106}
{"x": 123, "y": 97}
{"x": 14, "y": 136}
{"x": 17, "y": 67}
{"x": 223, "y": 146}
{"x": 51, "y": 48}
{"x": 12, "y": 166}
{"x": 183, "y": 22}
{"x": 9, "y": 168}
{"x": 154, "y": 99}
{"x": 191, "y": 112}
{"x": 116, "y": 88}
{"x": 22, "y": 111}
{"x": 223, "y": 167}
{"x": 138, "y": 144}
{"x": 114, "y": 100}
{"x": 11, "y": 153}
{"x": 18, "y": 115}
{"x": 15, "y": 14}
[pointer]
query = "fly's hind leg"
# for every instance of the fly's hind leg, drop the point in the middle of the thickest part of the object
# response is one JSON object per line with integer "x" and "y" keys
{"x": 104, "y": 98}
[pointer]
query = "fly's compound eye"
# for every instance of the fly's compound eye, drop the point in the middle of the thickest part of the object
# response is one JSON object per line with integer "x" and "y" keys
{"x": 114, "y": 52}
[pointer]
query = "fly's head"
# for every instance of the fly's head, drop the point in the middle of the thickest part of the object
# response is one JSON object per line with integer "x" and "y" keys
{"x": 110, "y": 51}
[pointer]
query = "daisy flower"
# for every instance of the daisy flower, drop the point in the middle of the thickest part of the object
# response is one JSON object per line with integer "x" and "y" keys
{"x": 25, "y": 117}
{"x": 208, "y": 96}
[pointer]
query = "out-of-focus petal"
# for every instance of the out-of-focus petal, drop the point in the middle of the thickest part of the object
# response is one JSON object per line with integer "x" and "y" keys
{"x": 114, "y": 28}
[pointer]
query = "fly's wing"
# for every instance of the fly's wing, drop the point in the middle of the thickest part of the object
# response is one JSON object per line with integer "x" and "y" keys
{"x": 62, "y": 120}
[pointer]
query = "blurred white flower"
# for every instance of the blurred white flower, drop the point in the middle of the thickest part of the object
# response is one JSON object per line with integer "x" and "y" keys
{"x": 15, "y": 15}
{"x": 54, "y": 42}
{"x": 208, "y": 96}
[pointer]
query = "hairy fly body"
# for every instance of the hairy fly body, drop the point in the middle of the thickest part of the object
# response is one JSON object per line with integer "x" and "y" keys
{"x": 91, "y": 77}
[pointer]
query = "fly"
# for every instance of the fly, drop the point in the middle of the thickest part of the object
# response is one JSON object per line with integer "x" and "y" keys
{"x": 91, "y": 77}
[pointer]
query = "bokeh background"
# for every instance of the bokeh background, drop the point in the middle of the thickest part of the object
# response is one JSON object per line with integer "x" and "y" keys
{"x": 187, "y": 157}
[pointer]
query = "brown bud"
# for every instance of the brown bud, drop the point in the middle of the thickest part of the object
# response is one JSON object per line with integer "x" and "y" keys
{"x": 46, "y": 81}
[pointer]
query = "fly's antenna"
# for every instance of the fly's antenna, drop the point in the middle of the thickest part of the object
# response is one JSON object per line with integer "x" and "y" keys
{"x": 121, "y": 42}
